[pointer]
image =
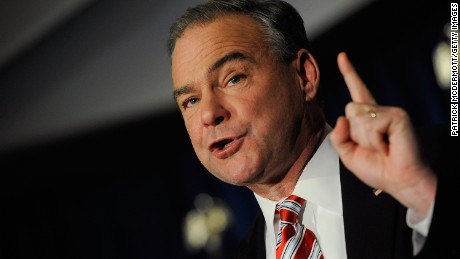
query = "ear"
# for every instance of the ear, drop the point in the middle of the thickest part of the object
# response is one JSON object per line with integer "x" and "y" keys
{"x": 308, "y": 73}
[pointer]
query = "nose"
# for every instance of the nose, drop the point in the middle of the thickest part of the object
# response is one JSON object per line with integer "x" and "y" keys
{"x": 213, "y": 112}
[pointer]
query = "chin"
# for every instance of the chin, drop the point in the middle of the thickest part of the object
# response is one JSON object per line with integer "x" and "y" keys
{"x": 240, "y": 179}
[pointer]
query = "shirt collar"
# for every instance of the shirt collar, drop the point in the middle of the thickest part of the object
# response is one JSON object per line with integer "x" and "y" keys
{"x": 319, "y": 182}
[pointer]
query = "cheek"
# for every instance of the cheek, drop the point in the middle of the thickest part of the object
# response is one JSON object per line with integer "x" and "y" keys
{"x": 197, "y": 142}
{"x": 193, "y": 131}
{"x": 278, "y": 117}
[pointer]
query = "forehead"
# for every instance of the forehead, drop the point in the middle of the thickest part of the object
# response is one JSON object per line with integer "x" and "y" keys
{"x": 202, "y": 44}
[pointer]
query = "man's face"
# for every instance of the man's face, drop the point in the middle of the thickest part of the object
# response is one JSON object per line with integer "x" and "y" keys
{"x": 241, "y": 108}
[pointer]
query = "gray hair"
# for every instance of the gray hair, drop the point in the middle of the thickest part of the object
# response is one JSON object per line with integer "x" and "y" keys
{"x": 282, "y": 25}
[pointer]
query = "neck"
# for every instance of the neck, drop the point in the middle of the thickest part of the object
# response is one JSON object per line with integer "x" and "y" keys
{"x": 286, "y": 185}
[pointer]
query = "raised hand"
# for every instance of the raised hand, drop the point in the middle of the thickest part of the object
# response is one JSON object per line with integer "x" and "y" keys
{"x": 377, "y": 143}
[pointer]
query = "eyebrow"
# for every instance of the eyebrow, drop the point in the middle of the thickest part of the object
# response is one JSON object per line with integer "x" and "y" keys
{"x": 235, "y": 55}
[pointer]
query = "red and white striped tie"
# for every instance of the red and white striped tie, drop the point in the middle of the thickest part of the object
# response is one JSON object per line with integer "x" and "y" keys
{"x": 294, "y": 240}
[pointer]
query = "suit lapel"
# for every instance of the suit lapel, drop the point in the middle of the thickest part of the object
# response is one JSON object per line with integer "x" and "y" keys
{"x": 369, "y": 220}
{"x": 253, "y": 244}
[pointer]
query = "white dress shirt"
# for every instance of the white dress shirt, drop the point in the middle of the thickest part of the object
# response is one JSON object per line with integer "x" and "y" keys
{"x": 319, "y": 185}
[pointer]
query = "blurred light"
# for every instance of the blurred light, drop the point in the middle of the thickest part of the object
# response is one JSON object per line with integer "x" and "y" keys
{"x": 195, "y": 222}
{"x": 205, "y": 225}
{"x": 441, "y": 60}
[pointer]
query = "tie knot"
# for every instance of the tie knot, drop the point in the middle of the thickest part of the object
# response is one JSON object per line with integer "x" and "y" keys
{"x": 289, "y": 208}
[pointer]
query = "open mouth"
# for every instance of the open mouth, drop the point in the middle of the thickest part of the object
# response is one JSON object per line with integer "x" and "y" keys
{"x": 221, "y": 144}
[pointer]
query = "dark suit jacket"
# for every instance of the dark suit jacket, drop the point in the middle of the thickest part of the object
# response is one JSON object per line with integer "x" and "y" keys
{"x": 375, "y": 227}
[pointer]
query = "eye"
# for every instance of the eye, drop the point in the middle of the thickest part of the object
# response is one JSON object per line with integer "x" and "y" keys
{"x": 189, "y": 102}
{"x": 236, "y": 79}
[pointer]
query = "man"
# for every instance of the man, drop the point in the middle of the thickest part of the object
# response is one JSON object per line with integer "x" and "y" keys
{"x": 246, "y": 83}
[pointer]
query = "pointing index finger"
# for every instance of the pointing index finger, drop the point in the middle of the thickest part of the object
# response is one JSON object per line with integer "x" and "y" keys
{"x": 358, "y": 90}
